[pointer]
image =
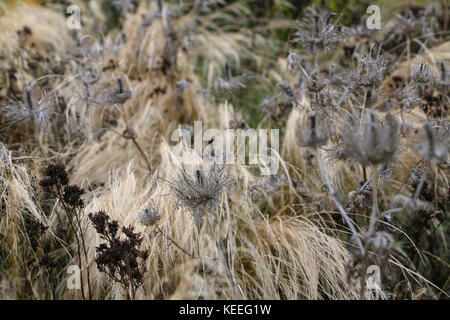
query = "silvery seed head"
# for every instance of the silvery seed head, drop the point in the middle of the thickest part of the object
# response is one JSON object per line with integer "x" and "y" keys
{"x": 411, "y": 203}
{"x": 408, "y": 23}
{"x": 386, "y": 172}
{"x": 335, "y": 154}
{"x": 169, "y": 11}
{"x": 422, "y": 73}
{"x": 324, "y": 102}
{"x": 286, "y": 89}
{"x": 375, "y": 143}
{"x": 228, "y": 83}
{"x": 316, "y": 31}
{"x": 369, "y": 70}
{"x": 361, "y": 197}
{"x": 268, "y": 185}
{"x": 315, "y": 82}
{"x": 408, "y": 97}
{"x": 200, "y": 189}
{"x": 434, "y": 144}
{"x": 149, "y": 216}
{"x": 313, "y": 133}
{"x": 382, "y": 243}
{"x": 290, "y": 92}
{"x": 17, "y": 112}
{"x": 181, "y": 85}
{"x": 202, "y": 7}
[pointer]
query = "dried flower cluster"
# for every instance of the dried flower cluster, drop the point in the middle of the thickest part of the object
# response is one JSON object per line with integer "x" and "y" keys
{"x": 120, "y": 259}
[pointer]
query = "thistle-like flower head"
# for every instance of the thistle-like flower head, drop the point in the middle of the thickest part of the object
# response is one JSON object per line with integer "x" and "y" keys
{"x": 316, "y": 31}
{"x": 434, "y": 144}
{"x": 422, "y": 73}
{"x": 313, "y": 133}
{"x": 149, "y": 216}
{"x": 369, "y": 70}
{"x": 408, "y": 97}
{"x": 375, "y": 143}
{"x": 18, "y": 112}
{"x": 199, "y": 189}
{"x": 230, "y": 83}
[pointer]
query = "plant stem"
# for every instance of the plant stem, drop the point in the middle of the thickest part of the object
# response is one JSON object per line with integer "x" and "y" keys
{"x": 83, "y": 242}
{"x": 173, "y": 241}
{"x": 374, "y": 215}
{"x": 337, "y": 203}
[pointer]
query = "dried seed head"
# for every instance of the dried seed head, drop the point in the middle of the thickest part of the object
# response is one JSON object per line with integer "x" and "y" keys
{"x": 376, "y": 143}
{"x": 286, "y": 89}
{"x": 369, "y": 70}
{"x": 361, "y": 197}
{"x": 409, "y": 23}
{"x": 18, "y": 112}
{"x": 413, "y": 204}
{"x": 315, "y": 82}
{"x": 382, "y": 243}
{"x": 54, "y": 174}
{"x": 317, "y": 32}
{"x": 422, "y": 73}
{"x": 200, "y": 189}
{"x": 181, "y": 85}
{"x": 273, "y": 109}
{"x": 313, "y": 133}
{"x": 434, "y": 144}
{"x": 202, "y": 7}
{"x": 230, "y": 83}
{"x": 149, "y": 216}
{"x": 124, "y": 5}
{"x": 408, "y": 98}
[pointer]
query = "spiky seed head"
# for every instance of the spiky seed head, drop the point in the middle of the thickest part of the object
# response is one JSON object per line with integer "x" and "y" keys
{"x": 433, "y": 146}
{"x": 422, "y": 73}
{"x": 317, "y": 31}
{"x": 313, "y": 133}
{"x": 199, "y": 189}
{"x": 375, "y": 143}
{"x": 149, "y": 216}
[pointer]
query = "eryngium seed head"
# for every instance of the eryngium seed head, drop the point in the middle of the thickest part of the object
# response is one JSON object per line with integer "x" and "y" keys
{"x": 199, "y": 189}
{"x": 149, "y": 216}
{"x": 315, "y": 82}
{"x": 422, "y": 73}
{"x": 369, "y": 70}
{"x": 434, "y": 144}
{"x": 313, "y": 132}
{"x": 228, "y": 83}
{"x": 375, "y": 143}
{"x": 317, "y": 32}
